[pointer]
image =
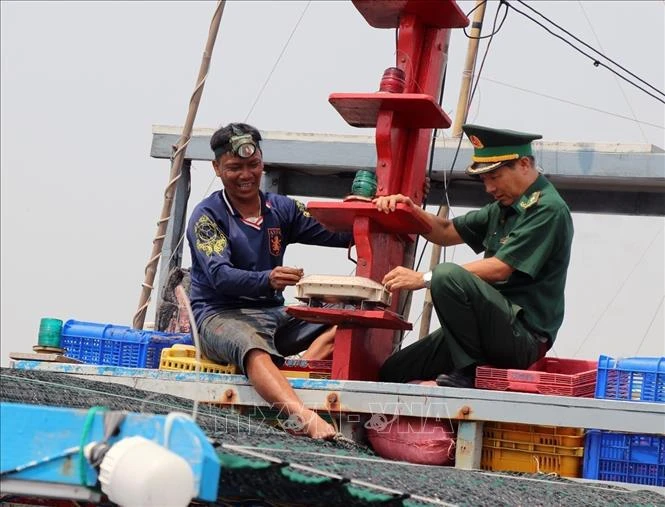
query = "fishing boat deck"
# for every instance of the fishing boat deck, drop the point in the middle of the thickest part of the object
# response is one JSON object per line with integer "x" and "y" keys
{"x": 259, "y": 461}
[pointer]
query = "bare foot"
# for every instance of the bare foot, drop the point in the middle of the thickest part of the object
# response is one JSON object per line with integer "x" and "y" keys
{"x": 424, "y": 382}
{"x": 308, "y": 423}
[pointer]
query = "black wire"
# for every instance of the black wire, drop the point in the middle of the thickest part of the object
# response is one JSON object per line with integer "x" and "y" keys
{"x": 473, "y": 92}
{"x": 596, "y": 62}
{"x": 468, "y": 14}
{"x": 429, "y": 171}
{"x": 459, "y": 144}
{"x": 494, "y": 32}
{"x": 435, "y": 133}
{"x": 591, "y": 48}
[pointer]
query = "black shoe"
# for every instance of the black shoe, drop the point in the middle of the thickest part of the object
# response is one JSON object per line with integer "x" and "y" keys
{"x": 457, "y": 378}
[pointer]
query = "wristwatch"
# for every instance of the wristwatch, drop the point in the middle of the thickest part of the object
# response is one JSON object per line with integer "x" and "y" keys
{"x": 427, "y": 278}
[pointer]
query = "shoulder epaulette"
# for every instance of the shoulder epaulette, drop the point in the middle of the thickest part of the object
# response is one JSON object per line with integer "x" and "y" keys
{"x": 532, "y": 200}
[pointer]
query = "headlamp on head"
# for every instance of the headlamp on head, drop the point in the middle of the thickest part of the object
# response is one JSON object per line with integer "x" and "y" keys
{"x": 243, "y": 145}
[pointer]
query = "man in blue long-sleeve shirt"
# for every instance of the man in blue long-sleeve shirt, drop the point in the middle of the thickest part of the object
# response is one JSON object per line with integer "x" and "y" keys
{"x": 237, "y": 237}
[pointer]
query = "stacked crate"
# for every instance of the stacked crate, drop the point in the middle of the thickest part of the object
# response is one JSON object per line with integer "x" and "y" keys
{"x": 113, "y": 345}
{"x": 527, "y": 447}
{"x": 626, "y": 457}
{"x": 550, "y": 375}
{"x": 532, "y": 449}
{"x": 183, "y": 358}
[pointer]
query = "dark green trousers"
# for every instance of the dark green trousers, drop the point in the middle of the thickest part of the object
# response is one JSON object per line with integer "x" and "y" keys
{"x": 478, "y": 326}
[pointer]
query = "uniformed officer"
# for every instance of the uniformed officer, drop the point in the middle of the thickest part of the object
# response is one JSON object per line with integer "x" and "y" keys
{"x": 505, "y": 309}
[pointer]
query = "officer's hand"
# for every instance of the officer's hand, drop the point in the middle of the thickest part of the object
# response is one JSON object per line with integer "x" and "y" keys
{"x": 403, "y": 278}
{"x": 389, "y": 202}
{"x": 282, "y": 276}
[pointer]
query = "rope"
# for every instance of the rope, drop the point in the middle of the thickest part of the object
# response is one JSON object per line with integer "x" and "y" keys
{"x": 87, "y": 426}
{"x": 176, "y": 167}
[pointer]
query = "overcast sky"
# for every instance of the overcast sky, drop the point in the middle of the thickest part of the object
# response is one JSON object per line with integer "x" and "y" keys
{"x": 83, "y": 82}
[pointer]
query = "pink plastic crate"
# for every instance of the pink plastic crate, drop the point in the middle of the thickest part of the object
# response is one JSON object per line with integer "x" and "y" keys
{"x": 550, "y": 375}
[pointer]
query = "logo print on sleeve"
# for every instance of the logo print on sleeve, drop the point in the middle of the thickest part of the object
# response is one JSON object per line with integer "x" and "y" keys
{"x": 209, "y": 237}
{"x": 302, "y": 208}
{"x": 275, "y": 240}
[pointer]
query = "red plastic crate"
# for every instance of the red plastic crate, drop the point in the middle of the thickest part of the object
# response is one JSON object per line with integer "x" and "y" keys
{"x": 296, "y": 364}
{"x": 303, "y": 368}
{"x": 550, "y": 375}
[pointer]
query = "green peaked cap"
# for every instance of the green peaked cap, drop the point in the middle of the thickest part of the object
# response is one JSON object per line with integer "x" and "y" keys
{"x": 493, "y": 147}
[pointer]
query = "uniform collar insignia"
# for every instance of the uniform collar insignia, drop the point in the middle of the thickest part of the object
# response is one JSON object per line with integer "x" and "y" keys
{"x": 532, "y": 199}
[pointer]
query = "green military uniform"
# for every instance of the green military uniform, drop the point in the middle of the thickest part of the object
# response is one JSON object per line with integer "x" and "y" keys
{"x": 507, "y": 324}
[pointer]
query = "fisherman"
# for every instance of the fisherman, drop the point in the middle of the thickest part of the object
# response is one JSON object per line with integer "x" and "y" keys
{"x": 237, "y": 237}
{"x": 505, "y": 309}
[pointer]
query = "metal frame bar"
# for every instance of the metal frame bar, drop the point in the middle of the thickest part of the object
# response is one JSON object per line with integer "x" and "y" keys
{"x": 357, "y": 397}
{"x": 48, "y": 490}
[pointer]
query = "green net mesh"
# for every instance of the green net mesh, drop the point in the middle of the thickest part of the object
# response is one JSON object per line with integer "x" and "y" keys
{"x": 263, "y": 465}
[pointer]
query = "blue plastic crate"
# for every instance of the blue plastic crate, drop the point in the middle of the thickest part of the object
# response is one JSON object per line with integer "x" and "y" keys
{"x": 631, "y": 379}
{"x": 108, "y": 344}
{"x": 624, "y": 457}
{"x": 160, "y": 341}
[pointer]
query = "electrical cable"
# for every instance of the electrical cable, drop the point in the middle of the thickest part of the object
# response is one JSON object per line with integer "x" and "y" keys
{"x": 494, "y": 31}
{"x": 625, "y": 97}
{"x": 472, "y": 94}
{"x": 588, "y": 46}
{"x": 653, "y": 319}
{"x": 251, "y": 109}
{"x": 279, "y": 58}
{"x": 618, "y": 291}
{"x": 596, "y": 62}
{"x": 565, "y": 101}
{"x": 429, "y": 176}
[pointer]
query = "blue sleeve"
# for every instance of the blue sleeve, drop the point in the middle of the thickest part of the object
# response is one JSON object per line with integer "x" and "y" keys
{"x": 211, "y": 261}
{"x": 304, "y": 228}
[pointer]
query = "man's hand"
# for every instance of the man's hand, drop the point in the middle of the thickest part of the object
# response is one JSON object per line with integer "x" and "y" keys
{"x": 403, "y": 278}
{"x": 389, "y": 202}
{"x": 283, "y": 276}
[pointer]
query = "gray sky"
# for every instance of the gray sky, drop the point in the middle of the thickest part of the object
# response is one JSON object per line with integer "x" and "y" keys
{"x": 82, "y": 83}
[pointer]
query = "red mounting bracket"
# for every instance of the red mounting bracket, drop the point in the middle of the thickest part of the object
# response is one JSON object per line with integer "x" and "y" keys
{"x": 340, "y": 217}
{"x": 381, "y": 319}
{"x": 404, "y": 113}
{"x": 412, "y": 110}
{"x": 434, "y": 13}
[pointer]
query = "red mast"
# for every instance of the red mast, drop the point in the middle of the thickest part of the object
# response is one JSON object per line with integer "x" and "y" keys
{"x": 404, "y": 112}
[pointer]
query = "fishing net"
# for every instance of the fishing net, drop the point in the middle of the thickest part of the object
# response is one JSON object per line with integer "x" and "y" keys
{"x": 263, "y": 465}
{"x": 172, "y": 314}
